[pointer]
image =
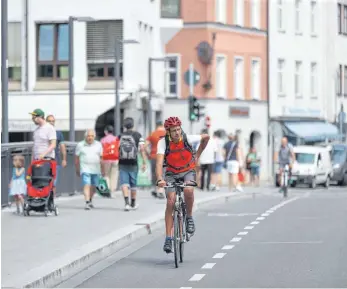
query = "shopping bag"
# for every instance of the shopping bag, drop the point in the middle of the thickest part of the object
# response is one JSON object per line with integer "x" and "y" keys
{"x": 241, "y": 177}
{"x": 144, "y": 178}
{"x": 103, "y": 189}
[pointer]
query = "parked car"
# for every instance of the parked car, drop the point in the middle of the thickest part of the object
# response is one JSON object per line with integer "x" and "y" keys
{"x": 313, "y": 166}
{"x": 339, "y": 160}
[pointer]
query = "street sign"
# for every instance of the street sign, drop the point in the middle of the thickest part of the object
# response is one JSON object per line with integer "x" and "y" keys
{"x": 196, "y": 77}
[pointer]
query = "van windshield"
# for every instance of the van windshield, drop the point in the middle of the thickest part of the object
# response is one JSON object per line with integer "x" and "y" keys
{"x": 338, "y": 156}
{"x": 304, "y": 158}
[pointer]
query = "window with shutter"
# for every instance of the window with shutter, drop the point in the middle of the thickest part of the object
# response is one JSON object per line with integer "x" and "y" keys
{"x": 101, "y": 41}
{"x": 14, "y": 46}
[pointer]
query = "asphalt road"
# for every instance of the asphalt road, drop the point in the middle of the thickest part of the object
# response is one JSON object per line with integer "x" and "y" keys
{"x": 298, "y": 242}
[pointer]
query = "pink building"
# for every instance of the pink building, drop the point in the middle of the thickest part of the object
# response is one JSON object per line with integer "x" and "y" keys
{"x": 226, "y": 40}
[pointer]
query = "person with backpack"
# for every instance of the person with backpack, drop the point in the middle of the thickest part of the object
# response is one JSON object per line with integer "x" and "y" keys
{"x": 176, "y": 152}
{"x": 110, "y": 158}
{"x": 130, "y": 143}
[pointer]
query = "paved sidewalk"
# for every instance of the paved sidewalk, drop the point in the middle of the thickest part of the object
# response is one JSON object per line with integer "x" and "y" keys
{"x": 34, "y": 246}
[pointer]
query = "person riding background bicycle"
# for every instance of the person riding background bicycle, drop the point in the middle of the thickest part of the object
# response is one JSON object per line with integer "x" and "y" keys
{"x": 284, "y": 156}
{"x": 176, "y": 153}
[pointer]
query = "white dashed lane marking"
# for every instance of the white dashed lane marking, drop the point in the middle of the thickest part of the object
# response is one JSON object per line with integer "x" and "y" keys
{"x": 208, "y": 266}
{"x": 248, "y": 227}
{"x": 219, "y": 255}
{"x": 228, "y": 247}
{"x": 235, "y": 239}
{"x": 198, "y": 277}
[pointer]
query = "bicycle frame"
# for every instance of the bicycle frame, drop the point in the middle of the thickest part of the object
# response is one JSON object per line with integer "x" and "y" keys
{"x": 180, "y": 236}
{"x": 285, "y": 180}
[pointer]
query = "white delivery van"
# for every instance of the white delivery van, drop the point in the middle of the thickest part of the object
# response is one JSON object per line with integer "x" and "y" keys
{"x": 313, "y": 166}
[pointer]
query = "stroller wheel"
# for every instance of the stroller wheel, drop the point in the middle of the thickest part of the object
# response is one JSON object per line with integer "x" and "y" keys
{"x": 46, "y": 213}
{"x": 56, "y": 211}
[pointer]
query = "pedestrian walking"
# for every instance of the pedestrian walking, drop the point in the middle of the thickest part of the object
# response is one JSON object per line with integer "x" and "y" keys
{"x": 45, "y": 137}
{"x": 152, "y": 143}
{"x": 206, "y": 162}
{"x": 232, "y": 157}
{"x": 216, "y": 181}
{"x": 88, "y": 164}
{"x": 253, "y": 162}
{"x": 110, "y": 144}
{"x": 60, "y": 152}
{"x": 17, "y": 186}
{"x": 131, "y": 142}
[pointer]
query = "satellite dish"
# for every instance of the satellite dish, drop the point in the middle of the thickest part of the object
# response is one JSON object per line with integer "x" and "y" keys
{"x": 205, "y": 52}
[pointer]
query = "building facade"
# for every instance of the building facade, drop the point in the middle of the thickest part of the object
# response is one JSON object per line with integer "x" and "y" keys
{"x": 297, "y": 58}
{"x": 38, "y": 47}
{"x": 226, "y": 41}
{"x": 305, "y": 51}
{"x": 338, "y": 69}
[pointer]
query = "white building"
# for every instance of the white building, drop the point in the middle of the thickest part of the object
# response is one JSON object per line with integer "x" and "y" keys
{"x": 304, "y": 51}
{"x": 297, "y": 85}
{"x": 38, "y": 71}
{"x": 337, "y": 57}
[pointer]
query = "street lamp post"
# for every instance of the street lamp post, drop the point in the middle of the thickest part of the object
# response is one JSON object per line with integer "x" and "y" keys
{"x": 116, "y": 113}
{"x": 71, "y": 73}
{"x": 149, "y": 106}
{"x": 4, "y": 72}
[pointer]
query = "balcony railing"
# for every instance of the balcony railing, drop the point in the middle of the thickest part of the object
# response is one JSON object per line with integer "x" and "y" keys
{"x": 170, "y": 8}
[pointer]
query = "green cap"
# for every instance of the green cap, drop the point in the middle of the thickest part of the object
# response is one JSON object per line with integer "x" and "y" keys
{"x": 38, "y": 112}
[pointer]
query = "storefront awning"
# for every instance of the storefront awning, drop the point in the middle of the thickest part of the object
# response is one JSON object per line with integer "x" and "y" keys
{"x": 314, "y": 131}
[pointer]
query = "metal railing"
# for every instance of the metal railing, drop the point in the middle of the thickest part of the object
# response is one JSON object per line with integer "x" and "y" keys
{"x": 68, "y": 182}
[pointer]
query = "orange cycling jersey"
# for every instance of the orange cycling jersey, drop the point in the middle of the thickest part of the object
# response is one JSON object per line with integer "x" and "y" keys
{"x": 180, "y": 157}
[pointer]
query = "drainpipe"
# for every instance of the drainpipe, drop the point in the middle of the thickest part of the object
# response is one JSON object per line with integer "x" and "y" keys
{"x": 25, "y": 64}
{"x": 269, "y": 134}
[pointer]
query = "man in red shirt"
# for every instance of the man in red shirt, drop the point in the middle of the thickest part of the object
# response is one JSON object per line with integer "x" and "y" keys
{"x": 152, "y": 142}
{"x": 111, "y": 166}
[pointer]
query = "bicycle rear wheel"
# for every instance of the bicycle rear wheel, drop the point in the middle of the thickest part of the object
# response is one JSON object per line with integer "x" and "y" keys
{"x": 176, "y": 237}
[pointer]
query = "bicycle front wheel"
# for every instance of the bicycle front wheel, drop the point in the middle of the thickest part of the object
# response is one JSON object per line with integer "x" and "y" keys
{"x": 176, "y": 238}
{"x": 182, "y": 236}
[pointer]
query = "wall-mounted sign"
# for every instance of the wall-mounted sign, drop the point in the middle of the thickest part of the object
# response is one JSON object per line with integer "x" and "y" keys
{"x": 296, "y": 111}
{"x": 239, "y": 111}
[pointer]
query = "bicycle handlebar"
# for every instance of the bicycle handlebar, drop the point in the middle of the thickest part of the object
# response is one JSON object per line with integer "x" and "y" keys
{"x": 192, "y": 184}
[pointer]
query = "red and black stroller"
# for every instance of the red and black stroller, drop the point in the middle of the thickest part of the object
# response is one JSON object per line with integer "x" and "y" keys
{"x": 41, "y": 176}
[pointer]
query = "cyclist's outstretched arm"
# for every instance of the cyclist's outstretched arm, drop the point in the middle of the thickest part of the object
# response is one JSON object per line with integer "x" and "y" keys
{"x": 160, "y": 159}
{"x": 159, "y": 166}
{"x": 203, "y": 143}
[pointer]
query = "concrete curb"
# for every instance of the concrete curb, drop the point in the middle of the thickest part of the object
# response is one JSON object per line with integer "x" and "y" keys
{"x": 56, "y": 271}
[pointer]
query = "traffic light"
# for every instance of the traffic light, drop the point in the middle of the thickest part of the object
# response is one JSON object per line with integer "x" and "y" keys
{"x": 195, "y": 109}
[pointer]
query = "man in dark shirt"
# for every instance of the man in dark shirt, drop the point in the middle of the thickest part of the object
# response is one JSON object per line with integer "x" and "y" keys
{"x": 130, "y": 143}
{"x": 60, "y": 151}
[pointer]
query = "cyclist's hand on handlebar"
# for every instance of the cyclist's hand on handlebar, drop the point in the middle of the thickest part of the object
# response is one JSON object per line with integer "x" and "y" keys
{"x": 161, "y": 183}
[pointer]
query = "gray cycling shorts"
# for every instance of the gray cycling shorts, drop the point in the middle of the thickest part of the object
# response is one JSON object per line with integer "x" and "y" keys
{"x": 282, "y": 165}
{"x": 186, "y": 177}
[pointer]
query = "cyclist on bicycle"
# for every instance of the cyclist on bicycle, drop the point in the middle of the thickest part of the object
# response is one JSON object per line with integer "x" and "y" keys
{"x": 284, "y": 156}
{"x": 176, "y": 153}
